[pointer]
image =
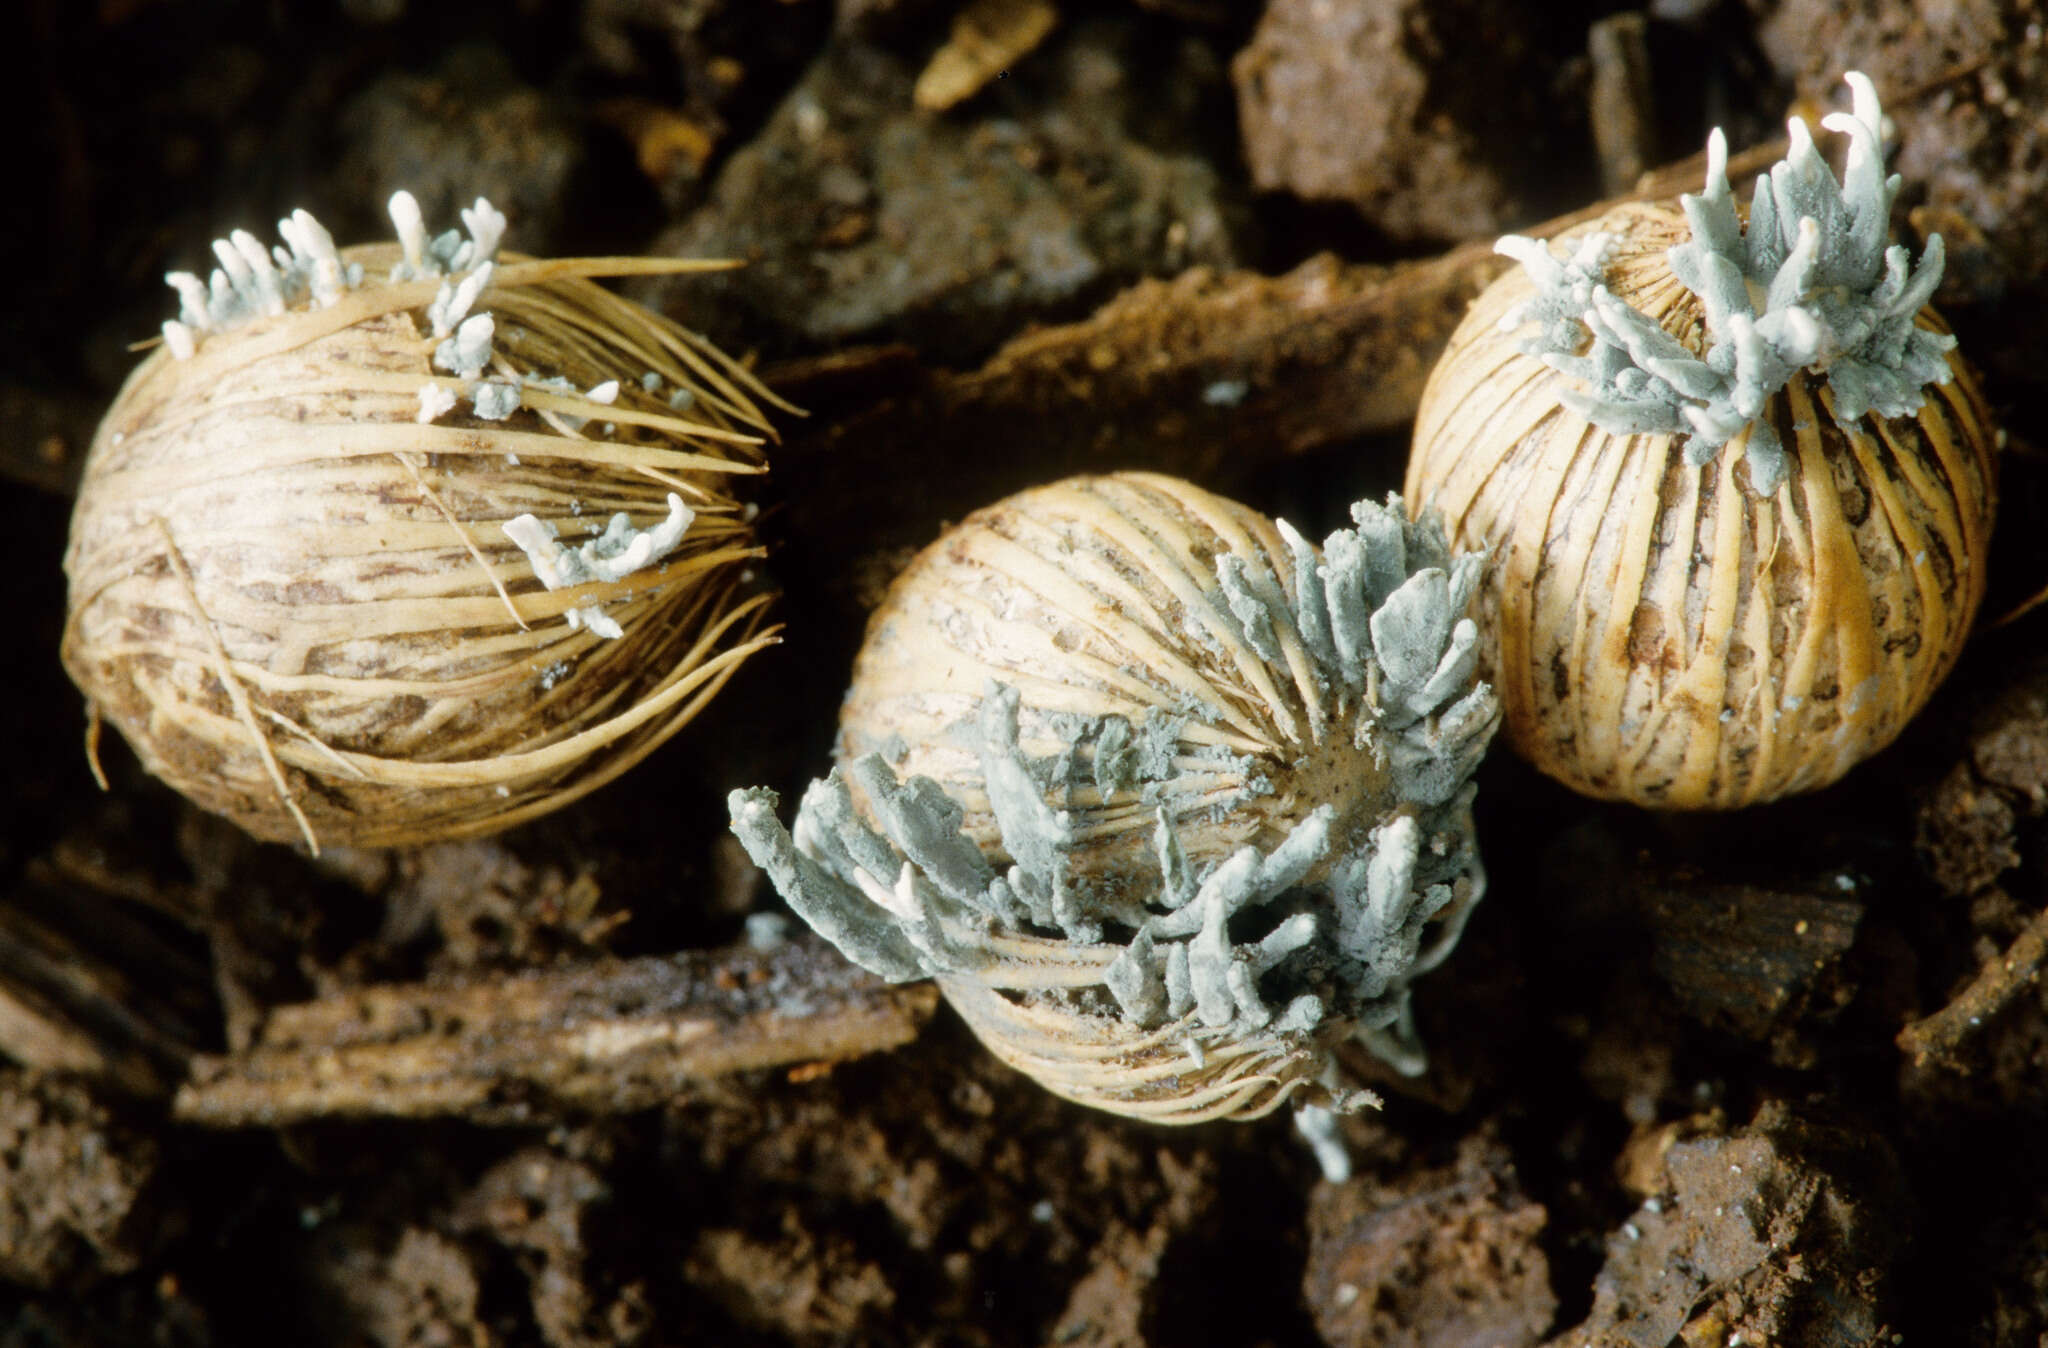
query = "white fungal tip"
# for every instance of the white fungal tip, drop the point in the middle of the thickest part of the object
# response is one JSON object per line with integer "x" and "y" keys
{"x": 314, "y": 240}
{"x": 412, "y": 229}
{"x": 191, "y": 298}
{"x": 1717, "y": 159}
{"x": 607, "y": 392}
{"x": 495, "y": 399}
{"x": 178, "y": 337}
{"x": 1801, "y": 137}
{"x": 469, "y": 350}
{"x": 486, "y": 226}
{"x": 435, "y": 402}
{"x": 594, "y": 618}
{"x": 617, "y": 552}
{"x": 1863, "y": 98}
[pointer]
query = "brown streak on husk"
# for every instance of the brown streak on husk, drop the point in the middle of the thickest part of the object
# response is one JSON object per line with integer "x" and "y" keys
{"x": 238, "y": 696}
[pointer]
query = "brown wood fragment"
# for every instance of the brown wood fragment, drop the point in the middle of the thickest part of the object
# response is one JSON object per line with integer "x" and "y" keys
{"x": 1620, "y": 107}
{"x": 1210, "y": 375}
{"x": 589, "y": 1038}
{"x": 987, "y": 36}
{"x": 2000, "y": 980}
{"x": 93, "y": 987}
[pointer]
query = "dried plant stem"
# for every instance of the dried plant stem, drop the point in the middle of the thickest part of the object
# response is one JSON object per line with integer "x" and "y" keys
{"x": 590, "y": 1038}
{"x": 2002, "y": 978}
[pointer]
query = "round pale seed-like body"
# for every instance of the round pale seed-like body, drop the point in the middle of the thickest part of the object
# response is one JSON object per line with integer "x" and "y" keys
{"x": 1129, "y": 699}
{"x": 1097, "y": 597}
{"x": 300, "y": 607}
{"x": 1179, "y": 1073}
{"x": 1660, "y": 633}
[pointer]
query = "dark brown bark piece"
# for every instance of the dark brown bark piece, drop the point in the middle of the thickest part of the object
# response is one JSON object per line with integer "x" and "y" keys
{"x": 1755, "y": 960}
{"x": 598, "y": 1038}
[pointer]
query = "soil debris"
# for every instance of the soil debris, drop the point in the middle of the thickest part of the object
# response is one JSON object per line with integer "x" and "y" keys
{"x": 862, "y": 219}
{"x": 1781, "y": 1232}
{"x": 74, "y": 1185}
{"x": 1365, "y": 103}
{"x": 1430, "y": 1257}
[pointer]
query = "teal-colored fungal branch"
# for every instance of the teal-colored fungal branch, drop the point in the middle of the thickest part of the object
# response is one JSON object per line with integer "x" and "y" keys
{"x": 1809, "y": 284}
{"x": 1381, "y": 609}
{"x": 914, "y": 898}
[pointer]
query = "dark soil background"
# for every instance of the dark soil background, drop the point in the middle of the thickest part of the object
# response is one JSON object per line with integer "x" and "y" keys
{"x": 1670, "y": 1101}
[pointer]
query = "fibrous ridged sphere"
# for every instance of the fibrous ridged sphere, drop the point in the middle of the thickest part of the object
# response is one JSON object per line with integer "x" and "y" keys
{"x": 1167, "y": 798}
{"x": 411, "y": 541}
{"x": 1736, "y": 484}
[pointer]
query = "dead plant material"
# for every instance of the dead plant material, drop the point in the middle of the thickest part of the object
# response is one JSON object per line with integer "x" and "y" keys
{"x": 2001, "y": 979}
{"x": 593, "y": 1039}
{"x": 1208, "y": 375}
{"x": 93, "y": 987}
{"x": 987, "y": 36}
{"x": 298, "y": 586}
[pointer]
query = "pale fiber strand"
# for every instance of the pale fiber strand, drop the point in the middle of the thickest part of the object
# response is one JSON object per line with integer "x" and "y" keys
{"x": 237, "y": 696}
{"x": 319, "y": 745}
{"x": 464, "y": 534}
{"x": 567, "y": 752}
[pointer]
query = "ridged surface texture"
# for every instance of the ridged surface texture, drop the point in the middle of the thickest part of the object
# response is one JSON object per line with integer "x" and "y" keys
{"x": 1663, "y": 635}
{"x": 1099, "y": 597}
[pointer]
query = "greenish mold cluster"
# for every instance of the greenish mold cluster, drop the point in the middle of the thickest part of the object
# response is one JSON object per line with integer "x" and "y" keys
{"x": 1811, "y": 283}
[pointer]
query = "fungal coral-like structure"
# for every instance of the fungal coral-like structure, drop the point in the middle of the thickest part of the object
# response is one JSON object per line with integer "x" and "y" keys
{"x": 1813, "y": 283}
{"x": 1166, "y": 798}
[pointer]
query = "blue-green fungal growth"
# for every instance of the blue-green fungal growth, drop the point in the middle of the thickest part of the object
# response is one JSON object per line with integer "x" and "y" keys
{"x": 1150, "y": 912}
{"x": 1811, "y": 283}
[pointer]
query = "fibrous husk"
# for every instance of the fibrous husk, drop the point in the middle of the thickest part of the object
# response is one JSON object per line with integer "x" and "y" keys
{"x": 291, "y": 585}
